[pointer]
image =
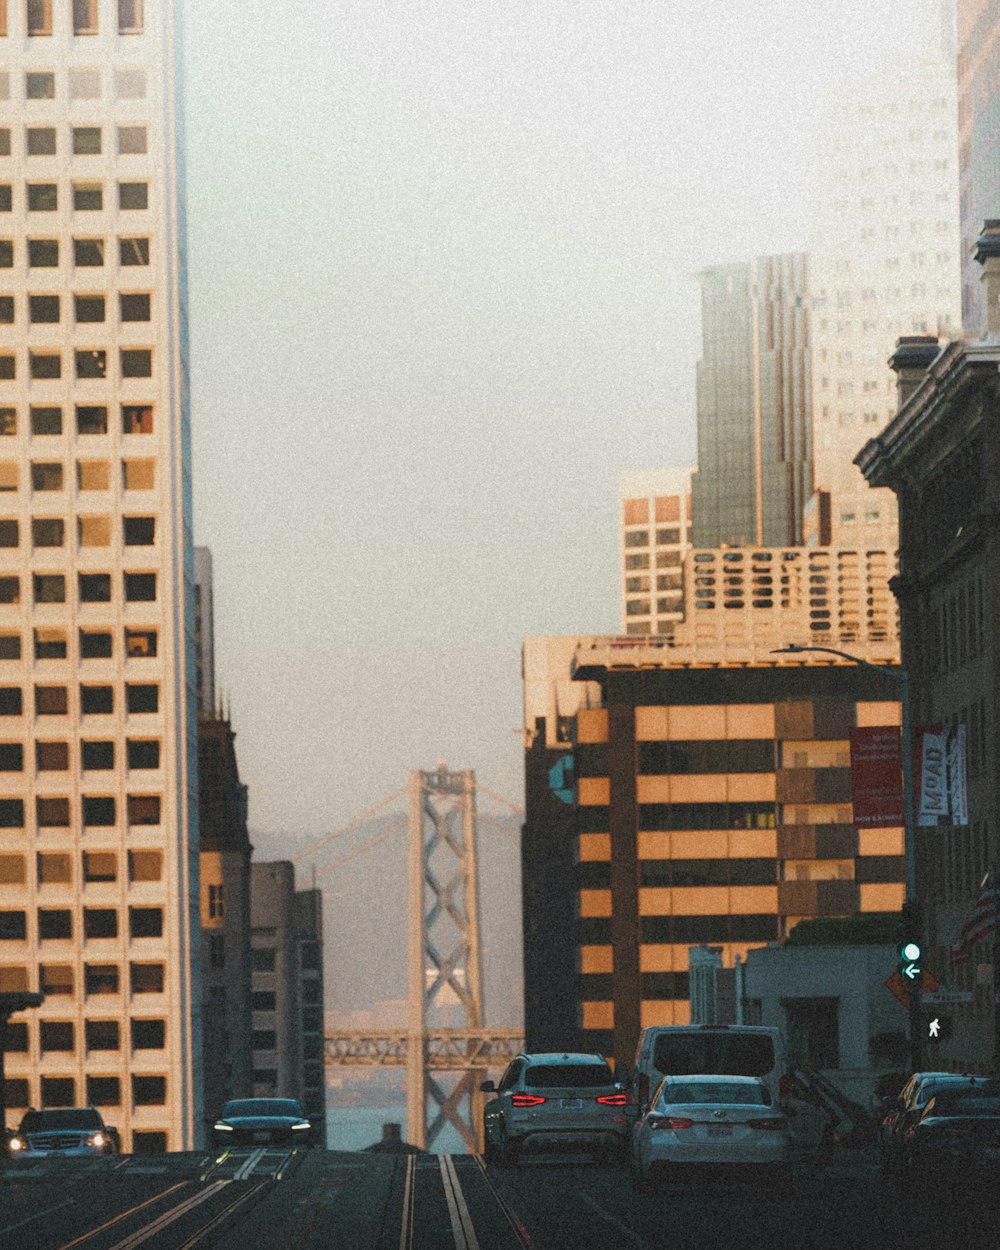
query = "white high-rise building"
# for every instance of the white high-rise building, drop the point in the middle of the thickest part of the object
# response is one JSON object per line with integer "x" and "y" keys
{"x": 884, "y": 264}
{"x": 98, "y": 743}
{"x": 655, "y": 520}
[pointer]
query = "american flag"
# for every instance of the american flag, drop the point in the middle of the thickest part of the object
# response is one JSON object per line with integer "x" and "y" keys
{"x": 981, "y": 922}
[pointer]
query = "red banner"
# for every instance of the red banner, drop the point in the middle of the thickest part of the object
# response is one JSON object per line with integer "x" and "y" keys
{"x": 877, "y": 776}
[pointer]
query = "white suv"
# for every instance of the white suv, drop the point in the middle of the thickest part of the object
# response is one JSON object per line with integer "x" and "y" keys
{"x": 567, "y": 1101}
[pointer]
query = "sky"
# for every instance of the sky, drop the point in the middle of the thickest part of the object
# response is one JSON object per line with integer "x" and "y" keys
{"x": 442, "y": 268}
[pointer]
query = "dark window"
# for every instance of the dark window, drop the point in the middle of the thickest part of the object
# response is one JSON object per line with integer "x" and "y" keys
{"x": 149, "y": 1034}
{"x": 50, "y": 644}
{"x": 143, "y": 809}
{"x": 137, "y": 418}
{"x": 133, "y": 251}
{"x": 87, "y": 198}
{"x": 142, "y": 698}
{"x": 86, "y": 140}
{"x": 46, "y": 421}
{"x": 711, "y": 1054}
{"x": 263, "y": 1039}
{"x": 16, "y": 1087}
{"x": 41, "y": 141}
{"x": 88, "y": 253}
{"x": 58, "y": 1091}
{"x": 97, "y": 700}
{"x": 104, "y": 1091}
{"x": 14, "y": 926}
{"x": 91, "y": 363}
{"x": 43, "y": 309}
{"x": 49, "y": 588}
{"x": 95, "y": 587}
{"x": 6, "y": 254}
{"x": 10, "y": 534}
{"x": 97, "y": 755}
{"x": 91, "y": 420}
{"x": 8, "y": 367}
{"x": 52, "y": 756}
{"x": 52, "y": 813}
{"x": 10, "y": 590}
{"x": 146, "y": 978}
{"x": 593, "y": 819}
{"x": 54, "y": 923}
{"x": 102, "y": 1034}
{"x": 39, "y": 86}
{"x": 11, "y": 813}
{"x": 133, "y": 195}
{"x": 262, "y": 959}
{"x": 17, "y": 1043}
{"x": 140, "y": 531}
{"x": 136, "y": 362}
{"x": 89, "y": 308}
{"x": 43, "y": 253}
{"x": 46, "y": 475}
{"x": 48, "y": 532}
{"x": 140, "y": 588}
{"x": 6, "y": 197}
{"x": 143, "y": 753}
{"x": 101, "y": 979}
{"x": 95, "y": 644}
{"x": 7, "y": 310}
{"x": 264, "y": 1000}
{"x": 149, "y": 1091}
{"x": 98, "y": 811}
{"x": 140, "y": 643}
{"x": 135, "y": 307}
{"x": 43, "y": 197}
{"x": 664, "y": 985}
{"x": 11, "y": 700}
{"x": 45, "y": 365}
{"x": 56, "y": 1035}
{"x": 100, "y": 922}
{"x": 145, "y": 922}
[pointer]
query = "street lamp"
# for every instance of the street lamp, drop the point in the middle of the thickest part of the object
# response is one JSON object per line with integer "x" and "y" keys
{"x": 911, "y": 909}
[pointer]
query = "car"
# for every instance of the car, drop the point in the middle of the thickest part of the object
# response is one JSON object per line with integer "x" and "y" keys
{"x": 957, "y": 1137}
{"x": 262, "y": 1122}
{"x": 65, "y": 1131}
{"x": 908, "y": 1108}
{"x": 710, "y": 1119}
{"x": 711, "y": 1049}
{"x": 564, "y": 1101}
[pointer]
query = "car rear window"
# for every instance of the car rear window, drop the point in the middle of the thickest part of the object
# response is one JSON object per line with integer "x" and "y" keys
{"x": 262, "y": 1106}
{"x": 675, "y": 1092}
{"x": 568, "y": 1075}
{"x": 710, "y": 1054}
{"x": 70, "y": 1118}
{"x": 966, "y": 1104}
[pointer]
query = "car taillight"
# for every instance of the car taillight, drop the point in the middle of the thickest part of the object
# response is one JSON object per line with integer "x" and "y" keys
{"x": 775, "y": 1121}
{"x": 668, "y": 1121}
{"x": 613, "y": 1100}
{"x": 525, "y": 1100}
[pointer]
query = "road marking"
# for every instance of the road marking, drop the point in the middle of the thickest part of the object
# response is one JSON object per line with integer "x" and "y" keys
{"x": 37, "y": 1216}
{"x": 461, "y": 1221}
{"x": 123, "y": 1215}
{"x": 608, "y": 1218}
{"x": 406, "y": 1225}
{"x": 168, "y": 1217}
{"x": 244, "y": 1170}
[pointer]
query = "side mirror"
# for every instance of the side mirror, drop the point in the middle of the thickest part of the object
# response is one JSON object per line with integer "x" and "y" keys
{"x": 488, "y": 1087}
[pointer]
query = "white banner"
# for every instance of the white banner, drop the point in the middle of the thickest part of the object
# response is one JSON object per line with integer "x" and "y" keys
{"x": 933, "y": 778}
{"x": 957, "y": 791}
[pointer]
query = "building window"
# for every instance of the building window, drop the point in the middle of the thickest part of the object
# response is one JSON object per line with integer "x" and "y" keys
{"x": 102, "y": 1034}
{"x": 95, "y": 587}
{"x": 140, "y": 643}
{"x": 138, "y": 474}
{"x": 52, "y": 757}
{"x": 130, "y": 84}
{"x": 43, "y": 253}
{"x": 135, "y": 307}
{"x": 146, "y": 978}
{"x": 88, "y": 253}
{"x": 101, "y": 979}
{"x": 262, "y": 959}
{"x": 11, "y": 757}
{"x": 91, "y": 363}
{"x": 58, "y": 1091}
{"x": 45, "y": 366}
{"x": 97, "y": 756}
{"x": 10, "y": 701}
{"x": 93, "y": 531}
{"x": 143, "y": 753}
{"x": 139, "y": 531}
{"x": 93, "y": 474}
{"x": 13, "y": 926}
{"x": 100, "y": 866}
{"x": 133, "y": 251}
{"x": 91, "y": 419}
{"x": 53, "y": 868}
{"x": 40, "y": 85}
{"x": 84, "y": 17}
{"x": 140, "y": 587}
{"x": 10, "y": 590}
{"x": 46, "y": 475}
{"x": 216, "y": 902}
{"x": 84, "y": 84}
{"x": 130, "y": 17}
{"x": 217, "y": 950}
{"x": 39, "y": 13}
{"x": 149, "y": 1091}
{"x": 86, "y": 140}
{"x": 136, "y": 362}
{"x": 97, "y": 700}
{"x": 7, "y": 310}
{"x": 49, "y": 588}
{"x": 50, "y": 700}
{"x": 137, "y": 419}
{"x": 100, "y": 922}
{"x": 145, "y": 922}
{"x": 41, "y": 141}
{"x": 88, "y": 197}
{"x": 56, "y": 980}
{"x": 142, "y": 698}
{"x": 46, "y": 421}
{"x": 50, "y": 644}
{"x": 95, "y": 644}
{"x": 263, "y": 1039}
{"x": 47, "y": 532}
{"x": 11, "y": 813}
{"x": 89, "y": 308}
{"x": 145, "y": 865}
{"x": 131, "y": 140}
{"x": 98, "y": 811}
{"x": 54, "y": 924}
{"x": 43, "y": 309}
{"x": 133, "y": 195}
{"x": 104, "y": 1091}
{"x": 56, "y": 1035}
{"x": 149, "y": 1034}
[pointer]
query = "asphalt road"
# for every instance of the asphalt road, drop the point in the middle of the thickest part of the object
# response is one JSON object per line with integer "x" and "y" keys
{"x": 280, "y": 1200}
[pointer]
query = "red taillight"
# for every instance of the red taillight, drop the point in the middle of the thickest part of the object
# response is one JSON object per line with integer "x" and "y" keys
{"x": 614, "y": 1100}
{"x": 775, "y": 1122}
{"x": 668, "y": 1121}
{"x": 525, "y": 1100}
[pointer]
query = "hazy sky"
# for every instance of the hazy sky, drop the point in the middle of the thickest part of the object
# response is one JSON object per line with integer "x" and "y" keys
{"x": 441, "y": 261}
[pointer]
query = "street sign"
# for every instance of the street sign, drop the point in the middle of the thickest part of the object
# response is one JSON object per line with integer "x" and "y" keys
{"x": 946, "y": 998}
{"x": 900, "y": 989}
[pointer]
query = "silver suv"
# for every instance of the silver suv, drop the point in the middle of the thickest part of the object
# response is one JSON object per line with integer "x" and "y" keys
{"x": 560, "y": 1101}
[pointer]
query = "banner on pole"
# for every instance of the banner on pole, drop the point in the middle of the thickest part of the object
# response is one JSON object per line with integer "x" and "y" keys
{"x": 877, "y": 776}
{"x": 933, "y": 776}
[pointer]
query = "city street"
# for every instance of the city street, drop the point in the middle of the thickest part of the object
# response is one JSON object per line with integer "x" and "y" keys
{"x": 279, "y": 1200}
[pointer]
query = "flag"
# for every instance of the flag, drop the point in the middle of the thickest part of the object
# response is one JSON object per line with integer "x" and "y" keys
{"x": 981, "y": 922}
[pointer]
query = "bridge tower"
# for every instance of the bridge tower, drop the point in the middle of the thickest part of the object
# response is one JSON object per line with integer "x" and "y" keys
{"x": 443, "y": 954}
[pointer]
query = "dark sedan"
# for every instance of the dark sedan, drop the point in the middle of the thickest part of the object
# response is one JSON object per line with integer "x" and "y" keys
{"x": 957, "y": 1138}
{"x": 262, "y": 1122}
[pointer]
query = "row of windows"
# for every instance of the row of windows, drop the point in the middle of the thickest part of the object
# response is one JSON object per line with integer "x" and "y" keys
{"x": 89, "y": 363}
{"x": 90, "y": 475}
{"x": 56, "y": 868}
{"x": 82, "y": 84}
{"x": 94, "y": 644}
{"x": 102, "y": 1091}
{"x": 87, "y": 309}
{"x": 599, "y": 986}
{"x": 95, "y": 756}
{"x": 669, "y": 816}
{"x": 60, "y": 1035}
{"x": 88, "y": 253}
{"x": 56, "y": 923}
{"x": 38, "y": 16}
{"x": 91, "y": 587}
{"x": 684, "y": 930}
{"x": 46, "y": 419}
{"x": 84, "y": 141}
{"x": 88, "y": 197}
{"x": 94, "y": 700}
{"x": 60, "y": 979}
{"x": 958, "y": 626}
{"x": 49, "y": 532}
{"x": 98, "y": 811}
{"x": 745, "y": 755}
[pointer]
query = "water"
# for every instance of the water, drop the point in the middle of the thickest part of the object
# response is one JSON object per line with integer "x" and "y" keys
{"x": 354, "y": 1128}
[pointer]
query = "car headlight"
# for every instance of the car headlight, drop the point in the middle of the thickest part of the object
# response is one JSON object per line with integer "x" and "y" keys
{"x": 17, "y": 1143}
{"x": 97, "y": 1140}
{"x": 222, "y": 1127}
{"x": 301, "y": 1127}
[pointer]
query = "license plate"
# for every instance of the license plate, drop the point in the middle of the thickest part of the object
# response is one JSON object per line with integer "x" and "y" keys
{"x": 262, "y": 1137}
{"x": 572, "y": 1104}
{"x": 720, "y": 1130}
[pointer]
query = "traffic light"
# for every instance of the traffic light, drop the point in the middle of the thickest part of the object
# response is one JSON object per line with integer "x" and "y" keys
{"x": 938, "y": 1028}
{"x": 908, "y": 945}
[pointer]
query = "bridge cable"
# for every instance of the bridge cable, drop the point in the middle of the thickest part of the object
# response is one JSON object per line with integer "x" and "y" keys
{"x": 351, "y": 824}
{"x": 360, "y": 850}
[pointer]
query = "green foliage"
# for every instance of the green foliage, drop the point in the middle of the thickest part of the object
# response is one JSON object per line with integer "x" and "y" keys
{"x": 864, "y": 929}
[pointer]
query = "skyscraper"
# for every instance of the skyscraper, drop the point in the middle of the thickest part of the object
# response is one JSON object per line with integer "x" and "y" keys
{"x": 98, "y": 741}
{"x": 979, "y": 141}
{"x": 754, "y": 428}
{"x": 655, "y": 535}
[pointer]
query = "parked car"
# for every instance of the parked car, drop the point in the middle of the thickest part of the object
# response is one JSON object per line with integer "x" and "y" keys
{"x": 566, "y": 1101}
{"x": 908, "y": 1108}
{"x": 262, "y": 1122}
{"x": 711, "y": 1050}
{"x": 709, "y": 1119}
{"x": 957, "y": 1137}
{"x": 67, "y": 1131}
